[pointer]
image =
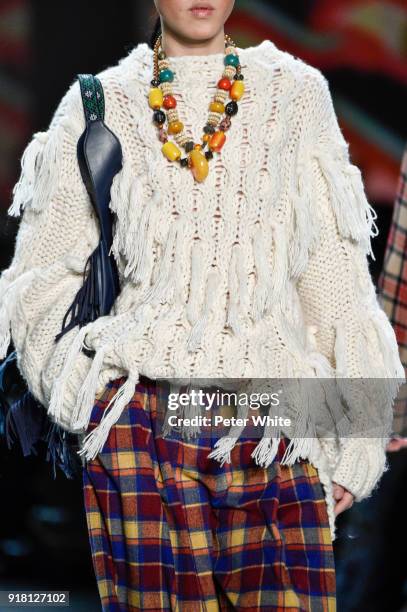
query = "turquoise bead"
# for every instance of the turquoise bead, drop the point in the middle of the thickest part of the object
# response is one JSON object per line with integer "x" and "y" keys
{"x": 231, "y": 60}
{"x": 166, "y": 75}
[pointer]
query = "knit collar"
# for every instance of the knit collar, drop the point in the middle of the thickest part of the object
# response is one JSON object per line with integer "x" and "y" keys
{"x": 140, "y": 61}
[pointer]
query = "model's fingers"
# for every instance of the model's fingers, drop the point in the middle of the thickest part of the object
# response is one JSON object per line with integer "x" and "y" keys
{"x": 396, "y": 443}
{"x": 345, "y": 503}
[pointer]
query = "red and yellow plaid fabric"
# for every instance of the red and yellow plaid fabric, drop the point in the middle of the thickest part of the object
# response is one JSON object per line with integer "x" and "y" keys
{"x": 393, "y": 279}
{"x": 392, "y": 285}
{"x": 170, "y": 529}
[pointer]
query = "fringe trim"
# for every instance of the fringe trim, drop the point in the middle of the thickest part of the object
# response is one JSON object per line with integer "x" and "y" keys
{"x": 388, "y": 344}
{"x": 93, "y": 442}
{"x": 23, "y": 190}
{"x": 197, "y": 331}
{"x": 305, "y": 222}
{"x": 354, "y": 215}
{"x": 9, "y": 291}
{"x": 134, "y": 233}
{"x": 279, "y": 272}
{"x": 86, "y": 397}
{"x": 163, "y": 284}
{"x": 197, "y": 259}
{"x": 232, "y": 319}
{"x": 40, "y": 172}
{"x": 223, "y": 447}
{"x": 367, "y": 393}
{"x": 59, "y": 385}
{"x": 262, "y": 288}
{"x": 139, "y": 263}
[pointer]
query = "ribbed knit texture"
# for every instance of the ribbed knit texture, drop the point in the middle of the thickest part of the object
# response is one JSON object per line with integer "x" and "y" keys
{"x": 260, "y": 271}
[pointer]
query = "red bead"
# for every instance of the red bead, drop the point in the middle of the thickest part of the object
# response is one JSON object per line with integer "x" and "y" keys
{"x": 224, "y": 84}
{"x": 169, "y": 102}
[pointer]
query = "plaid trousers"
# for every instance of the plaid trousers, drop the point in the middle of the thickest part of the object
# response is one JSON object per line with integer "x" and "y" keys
{"x": 170, "y": 529}
{"x": 392, "y": 285}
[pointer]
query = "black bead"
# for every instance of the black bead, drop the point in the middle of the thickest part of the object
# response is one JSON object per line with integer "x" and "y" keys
{"x": 204, "y": 143}
{"x": 159, "y": 117}
{"x": 208, "y": 154}
{"x": 183, "y": 161}
{"x": 209, "y": 129}
{"x": 231, "y": 108}
{"x": 238, "y": 77}
{"x": 188, "y": 146}
{"x": 154, "y": 82}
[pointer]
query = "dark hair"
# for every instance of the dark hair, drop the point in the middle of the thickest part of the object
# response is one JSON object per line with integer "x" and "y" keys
{"x": 155, "y": 32}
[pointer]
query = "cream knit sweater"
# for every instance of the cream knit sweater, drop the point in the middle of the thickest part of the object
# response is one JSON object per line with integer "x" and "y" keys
{"x": 259, "y": 271}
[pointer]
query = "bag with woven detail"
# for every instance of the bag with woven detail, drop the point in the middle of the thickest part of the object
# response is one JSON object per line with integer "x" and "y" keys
{"x": 22, "y": 417}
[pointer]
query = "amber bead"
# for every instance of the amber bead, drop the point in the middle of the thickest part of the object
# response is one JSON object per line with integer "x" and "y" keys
{"x": 199, "y": 165}
{"x": 237, "y": 90}
{"x": 225, "y": 84}
{"x": 169, "y": 102}
{"x": 197, "y": 147}
{"x": 155, "y": 97}
{"x": 175, "y": 127}
{"x": 171, "y": 151}
{"x": 206, "y": 137}
{"x": 217, "y": 141}
{"x": 217, "y": 107}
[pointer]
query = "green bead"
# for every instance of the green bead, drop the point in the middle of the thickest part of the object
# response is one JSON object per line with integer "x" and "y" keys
{"x": 166, "y": 75}
{"x": 231, "y": 60}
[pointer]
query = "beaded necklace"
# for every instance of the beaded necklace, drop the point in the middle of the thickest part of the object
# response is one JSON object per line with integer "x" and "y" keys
{"x": 164, "y": 104}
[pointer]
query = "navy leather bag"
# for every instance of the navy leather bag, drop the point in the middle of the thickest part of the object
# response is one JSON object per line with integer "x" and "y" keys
{"x": 100, "y": 158}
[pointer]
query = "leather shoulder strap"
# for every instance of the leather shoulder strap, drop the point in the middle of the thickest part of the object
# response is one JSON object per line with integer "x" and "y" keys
{"x": 93, "y": 98}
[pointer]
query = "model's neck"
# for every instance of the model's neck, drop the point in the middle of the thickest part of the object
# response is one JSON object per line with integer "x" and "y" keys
{"x": 175, "y": 46}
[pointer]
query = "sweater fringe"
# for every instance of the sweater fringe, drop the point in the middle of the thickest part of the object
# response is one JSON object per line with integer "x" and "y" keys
{"x": 354, "y": 215}
{"x": 94, "y": 441}
{"x": 24, "y": 190}
{"x": 9, "y": 290}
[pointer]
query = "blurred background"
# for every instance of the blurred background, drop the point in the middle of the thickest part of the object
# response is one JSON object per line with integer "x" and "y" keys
{"x": 360, "y": 45}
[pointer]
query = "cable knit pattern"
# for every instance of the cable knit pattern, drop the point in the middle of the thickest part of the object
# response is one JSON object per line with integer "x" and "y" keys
{"x": 258, "y": 272}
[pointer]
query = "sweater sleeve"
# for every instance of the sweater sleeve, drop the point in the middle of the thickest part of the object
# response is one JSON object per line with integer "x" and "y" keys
{"x": 339, "y": 300}
{"x": 57, "y": 232}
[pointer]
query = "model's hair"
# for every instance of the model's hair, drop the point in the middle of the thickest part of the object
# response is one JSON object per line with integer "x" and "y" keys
{"x": 155, "y": 32}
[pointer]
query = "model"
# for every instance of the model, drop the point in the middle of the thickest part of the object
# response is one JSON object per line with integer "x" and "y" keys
{"x": 241, "y": 236}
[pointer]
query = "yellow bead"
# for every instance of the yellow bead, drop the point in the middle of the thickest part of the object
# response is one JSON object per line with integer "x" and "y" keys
{"x": 199, "y": 165}
{"x": 171, "y": 151}
{"x": 155, "y": 98}
{"x": 175, "y": 127}
{"x": 217, "y": 107}
{"x": 237, "y": 90}
{"x": 206, "y": 137}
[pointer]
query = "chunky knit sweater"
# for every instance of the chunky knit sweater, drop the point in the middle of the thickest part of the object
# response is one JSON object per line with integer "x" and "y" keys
{"x": 259, "y": 271}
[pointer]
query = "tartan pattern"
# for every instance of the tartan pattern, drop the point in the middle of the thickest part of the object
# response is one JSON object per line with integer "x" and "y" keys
{"x": 392, "y": 285}
{"x": 170, "y": 529}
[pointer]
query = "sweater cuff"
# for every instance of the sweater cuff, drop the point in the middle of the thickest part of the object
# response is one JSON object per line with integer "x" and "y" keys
{"x": 360, "y": 466}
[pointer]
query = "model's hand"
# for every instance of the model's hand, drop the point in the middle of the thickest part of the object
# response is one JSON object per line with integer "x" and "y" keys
{"x": 396, "y": 443}
{"x": 344, "y": 499}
